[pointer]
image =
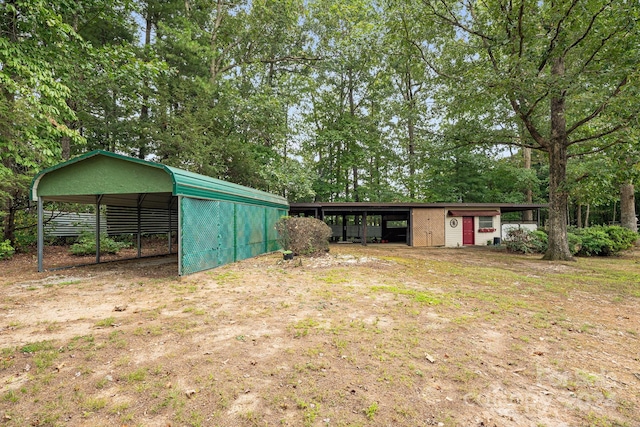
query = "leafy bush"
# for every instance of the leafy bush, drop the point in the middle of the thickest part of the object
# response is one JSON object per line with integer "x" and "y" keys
{"x": 6, "y": 250}
{"x": 622, "y": 237}
{"x": 526, "y": 241}
{"x": 26, "y": 230}
{"x": 606, "y": 240}
{"x": 575, "y": 243}
{"x": 595, "y": 242}
{"x": 303, "y": 235}
{"x": 539, "y": 241}
{"x": 86, "y": 245}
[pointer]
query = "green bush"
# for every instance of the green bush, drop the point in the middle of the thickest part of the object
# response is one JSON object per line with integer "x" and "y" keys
{"x": 575, "y": 243}
{"x": 6, "y": 250}
{"x": 86, "y": 245}
{"x": 622, "y": 237}
{"x": 605, "y": 240}
{"x": 26, "y": 232}
{"x": 303, "y": 235}
{"x": 539, "y": 241}
{"x": 525, "y": 241}
{"x": 595, "y": 241}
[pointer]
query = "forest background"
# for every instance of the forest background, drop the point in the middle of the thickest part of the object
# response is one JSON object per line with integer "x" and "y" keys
{"x": 335, "y": 100}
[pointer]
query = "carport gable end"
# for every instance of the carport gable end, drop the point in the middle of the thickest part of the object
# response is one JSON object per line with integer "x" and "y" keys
{"x": 222, "y": 222}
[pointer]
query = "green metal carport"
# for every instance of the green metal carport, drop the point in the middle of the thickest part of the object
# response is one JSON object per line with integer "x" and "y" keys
{"x": 218, "y": 222}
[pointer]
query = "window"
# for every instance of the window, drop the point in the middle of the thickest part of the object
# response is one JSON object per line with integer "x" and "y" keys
{"x": 485, "y": 222}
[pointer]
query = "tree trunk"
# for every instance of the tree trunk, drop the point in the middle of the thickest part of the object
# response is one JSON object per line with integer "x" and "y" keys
{"x": 10, "y": 221}
{"x": 628, "y": 206}
{"x": 558, "y": 200}
{"x": 356, "y": 195}
{"x": 214, "y": 65}
{"x": 144, "y": 110}
{"x": 558, "y": 249}
{"x": 586, "y": 217}
{"x": 579, "y": 215}
{"x": 528, "y": 193}
{"x": 409, "y": 99}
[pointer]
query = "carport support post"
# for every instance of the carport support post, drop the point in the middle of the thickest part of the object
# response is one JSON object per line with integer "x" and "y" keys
{"x": 98, "y": 231}
{"x": 344, "y": 228}
{"x": 139, "y": 242}
{"x": 139, "y": 238}
{"x": 179, "y": 235}
{"x": 40, "y": 235}
{"x": 170, "y": 206}
{"x": 364, "y": 228}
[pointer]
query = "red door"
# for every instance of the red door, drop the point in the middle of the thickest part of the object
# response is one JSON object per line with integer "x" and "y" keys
{"x": 468, "y": 235}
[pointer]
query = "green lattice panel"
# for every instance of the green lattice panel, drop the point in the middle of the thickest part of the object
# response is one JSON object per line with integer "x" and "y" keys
{"x": 273, "y": 215}
{"x": 250, "y": 233}
{"x": 219, "y": 232}
{"x": 201, "y": 234}
{"x": 226, "y": 248}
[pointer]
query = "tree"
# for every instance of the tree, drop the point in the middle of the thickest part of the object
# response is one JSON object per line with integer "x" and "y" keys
{"x": 626, "y": 158}
{"x": 224, "y": 111}
{"x": 345, "y": 104}
{"x": 566, "y": 70}
{"x": 591, "y": 183}
{"x": 33, "y": 107}
{"x": 410, "y": 107}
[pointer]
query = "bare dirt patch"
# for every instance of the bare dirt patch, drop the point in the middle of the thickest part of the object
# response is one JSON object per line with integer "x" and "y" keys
{"x": 382, "y": 335}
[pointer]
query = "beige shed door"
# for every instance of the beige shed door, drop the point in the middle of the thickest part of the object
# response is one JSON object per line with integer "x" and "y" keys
{"x": 428, "y": 227}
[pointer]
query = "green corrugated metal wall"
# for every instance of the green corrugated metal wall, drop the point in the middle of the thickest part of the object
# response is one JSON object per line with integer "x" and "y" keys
{"x": 218, "y": 232}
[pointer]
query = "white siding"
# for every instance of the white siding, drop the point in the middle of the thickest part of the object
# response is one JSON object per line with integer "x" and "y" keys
{"x": 453, "y": 235}
{"x": 508, "y": 226}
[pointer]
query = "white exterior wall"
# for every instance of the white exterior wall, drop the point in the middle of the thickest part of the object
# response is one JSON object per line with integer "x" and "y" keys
{"x": 453, "y": 235}
{"x": 509, "y": 226}
{"x": 482, "y": 238}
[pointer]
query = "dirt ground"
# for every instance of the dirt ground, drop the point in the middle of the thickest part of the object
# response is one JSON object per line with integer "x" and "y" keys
{"x": 384, "y": 335}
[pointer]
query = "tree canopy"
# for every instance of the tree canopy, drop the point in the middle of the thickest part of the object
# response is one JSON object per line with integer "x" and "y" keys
{"x": 340, "y": 100}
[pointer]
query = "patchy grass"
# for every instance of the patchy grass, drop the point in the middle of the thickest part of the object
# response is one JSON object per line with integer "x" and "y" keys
{"x": 382, "y": 335}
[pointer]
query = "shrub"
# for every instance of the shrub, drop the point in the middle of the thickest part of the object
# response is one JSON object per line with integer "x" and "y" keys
{"x": 606, "y": 240}
{"x": 86, "y": 245}
{"x": 539, "y": 241}
{"x": 303, "y": 235}
{"x": 595, "y": 241}
{"x": 526, "y": 241}
{"x": 26, "y": 230}
{"x": 6, "y": 250}
{"x": 622, "y": 237}
{"x": 575, "y": 243}
{"x": 598, "y": 240}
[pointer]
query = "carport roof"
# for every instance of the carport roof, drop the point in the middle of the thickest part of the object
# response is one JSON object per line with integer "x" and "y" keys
{"x": 121, "y": 181}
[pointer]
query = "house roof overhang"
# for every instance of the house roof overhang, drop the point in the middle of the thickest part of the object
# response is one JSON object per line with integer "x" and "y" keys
{"x": 373, "y": 207}
{"x": 473, "y": 213}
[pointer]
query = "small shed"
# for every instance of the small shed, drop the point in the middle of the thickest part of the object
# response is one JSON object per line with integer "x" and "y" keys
{"x": 216, "y": 222}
